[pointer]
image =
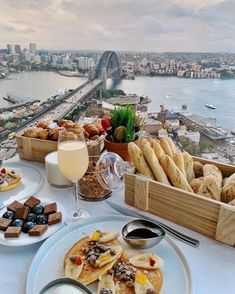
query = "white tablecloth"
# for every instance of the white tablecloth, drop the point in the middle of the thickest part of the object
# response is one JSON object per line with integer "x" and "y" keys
{"x": 212, "y": 265}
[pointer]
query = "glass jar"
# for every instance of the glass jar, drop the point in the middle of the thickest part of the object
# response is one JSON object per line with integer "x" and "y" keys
{"x": 89, "y": 186}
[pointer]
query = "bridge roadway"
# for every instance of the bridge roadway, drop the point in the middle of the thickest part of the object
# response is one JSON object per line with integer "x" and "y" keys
{"x": 55, "y": 112}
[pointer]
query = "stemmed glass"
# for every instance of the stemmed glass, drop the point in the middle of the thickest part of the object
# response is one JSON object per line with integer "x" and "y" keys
{"x": 73, "y": 162}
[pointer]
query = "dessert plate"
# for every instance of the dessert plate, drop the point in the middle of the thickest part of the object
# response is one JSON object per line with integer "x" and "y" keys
{"x": 24, "y": 239}
{"x": 31, "y": 181}
{"x": 47, "y": 264}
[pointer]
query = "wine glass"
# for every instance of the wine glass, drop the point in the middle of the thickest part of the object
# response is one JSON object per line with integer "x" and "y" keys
{"x": 113, "y": 176}
{"x": 73, "y": 162}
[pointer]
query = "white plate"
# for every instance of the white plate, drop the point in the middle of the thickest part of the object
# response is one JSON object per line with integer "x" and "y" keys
{"x": 31, "y": 181}
{"x": 24, "y": 239}
{"x": 47, "y": 264}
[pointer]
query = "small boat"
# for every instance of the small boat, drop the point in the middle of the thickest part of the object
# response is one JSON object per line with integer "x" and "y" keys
{"x": 210, "y": 106}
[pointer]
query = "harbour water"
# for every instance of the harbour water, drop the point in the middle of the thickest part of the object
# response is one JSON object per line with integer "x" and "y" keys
{"x": 172, "y": 92}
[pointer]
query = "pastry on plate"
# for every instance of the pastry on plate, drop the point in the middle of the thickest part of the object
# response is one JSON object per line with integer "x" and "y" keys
{"x": 9, "y": 179}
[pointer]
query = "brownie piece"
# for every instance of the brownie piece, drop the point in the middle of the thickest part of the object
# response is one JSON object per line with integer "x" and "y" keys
{"x": 32, "y": 201}
{"x": 38, "y": 230}
{"x": 4, "y": 223}
{"x": 22, "y": 212}
{"x": 14, "y": 206}
{"x": 54, "y": 218}
{"x": 12, "y": 232}
{"x": 50, "y": 208}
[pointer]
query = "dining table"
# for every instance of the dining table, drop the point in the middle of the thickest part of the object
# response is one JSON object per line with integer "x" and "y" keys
{"x": 212, "y": 264}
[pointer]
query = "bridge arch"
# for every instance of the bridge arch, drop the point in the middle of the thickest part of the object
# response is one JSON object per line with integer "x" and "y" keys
{"x": 108, "y": 66}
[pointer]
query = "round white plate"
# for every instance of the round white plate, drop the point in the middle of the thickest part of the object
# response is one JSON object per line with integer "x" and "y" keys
{"x": 47, "y": 264}
{"x": 31, "y": 181}
{"x": 25, "y": 239}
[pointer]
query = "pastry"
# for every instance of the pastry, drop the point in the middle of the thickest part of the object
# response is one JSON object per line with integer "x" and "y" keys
{"x": 211, "y": 169}
{"x": 62, "y": 122}
{"x": 38, "y": 230}
{"x": 139, "y": 161}
{"x": 12, "y": 232}
{"x": 188, "y": 165}
{"x": 54, "y": 134}
{"x": 154, "y": 164}
{"x": 228, "y": 190}
{"x": 91, "y": 130}
{"x": 159, "y": 152}
{"x": 179, "y": 161}
{"x": 32, "y": 201}
{"x": 50, "y": 208}
{"x": 166, "y": 147}
{"x": 198, "y": 169}
{"x": 210, "y": 188}
{"x": 196, "y": 183}
{"x": 31, "y": 133}
{"x": 22, "y": 212}
{"x": 14, "y": 206}
{"x": 174, "y": 174}
{"x": 4, "y": 223}
{"x": 100, "y": 129}
{"x": 42, "y": 124}
{"x": 54, "y": 218}
{"x": 9, "y": 179}
{"x": 43, "y": 134}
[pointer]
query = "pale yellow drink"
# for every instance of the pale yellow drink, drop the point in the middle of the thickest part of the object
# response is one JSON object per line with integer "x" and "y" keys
{"x": 73, "y": 159}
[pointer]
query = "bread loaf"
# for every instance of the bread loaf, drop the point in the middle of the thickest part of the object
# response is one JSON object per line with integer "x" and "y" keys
{"x": 172, "y": 145}
{"x": 196, "y": 183}
{"x": 157, "y": 149}
{"x": 211, "y": 169}
{"x": 179, "y": 161}
{"x": 154, "y": 164}
{"x": 139, "y": 161}
{"x": 228, "y": 191}
{"x": 210, "y": 188}
{"x": 198, "y": 169}
{"x": 188, "y": 165}
{"x": 166, "y": 147}
{"x": 175, "y": 175}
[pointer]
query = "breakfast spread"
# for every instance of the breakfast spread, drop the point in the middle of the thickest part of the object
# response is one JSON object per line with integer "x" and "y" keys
{"x": 9, "y": 179}
{"x": 100, "y": 257}
{"x": 161, "y": 160}
{"x": 30, "y": 217}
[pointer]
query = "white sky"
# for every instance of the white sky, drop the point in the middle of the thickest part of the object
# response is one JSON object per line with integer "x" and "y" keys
{"x": 141, "y": 25}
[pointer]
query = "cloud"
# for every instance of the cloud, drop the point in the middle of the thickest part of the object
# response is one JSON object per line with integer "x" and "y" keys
{"x": 169, "y": 25}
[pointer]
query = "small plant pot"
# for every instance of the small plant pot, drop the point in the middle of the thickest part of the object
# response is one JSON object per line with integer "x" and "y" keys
{"x": 120, "y": 148}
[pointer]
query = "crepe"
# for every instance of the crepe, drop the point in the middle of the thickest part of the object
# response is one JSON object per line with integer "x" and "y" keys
{"x": 90, "y": 274}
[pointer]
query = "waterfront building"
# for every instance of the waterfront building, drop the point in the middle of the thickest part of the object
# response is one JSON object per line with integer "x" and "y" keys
{"x": 17, "y": 49}
{"x": 194, "y": 137}
{"x": 10, "y": 48}
{"x": 162, "y": 133}
{"x": 32, "y": 47}
{"x": 152, "y": 126}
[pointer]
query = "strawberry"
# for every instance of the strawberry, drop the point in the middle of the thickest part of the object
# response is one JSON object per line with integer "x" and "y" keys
{"x": 152, "y": 262}
{"x": 105, "y": 122}
{"x": 78, "y": 261}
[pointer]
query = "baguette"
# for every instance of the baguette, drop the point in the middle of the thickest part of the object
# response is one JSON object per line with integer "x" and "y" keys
{"x": 188, "y": 165}
{"x": 211, "y": 169}
{"x": 172, "y": 145}
{"x": 196, "y": 183}
{"x": 179, "y": 161}
{"x": 175, "y": 175}
{"x": 210, "y": 188}
{"x": 159, "y": 152}
{"x": 153, "y": 162}
{"x": 139, "y": 161}
{"x": 166, "y": 147}
{"x": 198, "y": 169}
{"x": 144, "y": 142}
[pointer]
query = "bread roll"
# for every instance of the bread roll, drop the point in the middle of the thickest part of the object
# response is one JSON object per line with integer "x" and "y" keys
{"x": 210, "y": 188}
{"x": 196, "y": 183}
{"x": 179, "y": 161}
{"x": 198, "y": 169}
{"x": 224, "y": 181}
{"x": 175, "y": 175}
{"x": 211, "y": 169}
{"x": 157, "y": 149}
{"x": 153, "y": 162}
{"x": 172, "y": 145}
{"x": 166, "y": 147}
{"x": 139, "y": 161}
{"x": 228, "y": 191}
{"x": 188, "y": 165}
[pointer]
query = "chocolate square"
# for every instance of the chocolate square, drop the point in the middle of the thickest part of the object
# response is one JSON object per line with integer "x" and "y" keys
{"x": 14, "y": 206}
{"x": 50, "y": 208}
{"x": 32, "y": 201}
{"x": 22, "y": 212}
{"x": 54, "y": 218}
{"x": 12, "y": 232}
{"x": 4, "y": 223}
{"x": 38, "y": 230}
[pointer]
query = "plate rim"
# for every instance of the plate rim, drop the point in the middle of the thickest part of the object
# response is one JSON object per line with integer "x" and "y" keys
{"x": 30, "y": 166}
{"x": 34, "y": 241}
{"x": 68, "y": 228}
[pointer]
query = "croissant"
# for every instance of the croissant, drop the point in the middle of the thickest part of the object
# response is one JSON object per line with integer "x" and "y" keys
{"x": 43, "y": 134}
{"x": 54, "y": 134}
{"x": 91, "y": 129}
{"x": 42, "y": 124}
{"x": 31, "y": 133}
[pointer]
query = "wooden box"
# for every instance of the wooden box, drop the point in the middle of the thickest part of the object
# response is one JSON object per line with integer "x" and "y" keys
{"x": 36, "y": 149}
{"x": 206, "y": 216}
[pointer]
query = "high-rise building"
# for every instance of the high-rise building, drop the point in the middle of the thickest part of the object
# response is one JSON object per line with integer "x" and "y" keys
{"x": 10, "y": 48}
{"x": 17, "y": 49}
{"x": 32, "y": 47}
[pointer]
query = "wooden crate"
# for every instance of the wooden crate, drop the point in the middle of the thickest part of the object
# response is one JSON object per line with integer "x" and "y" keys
{"x": 36, "y": 149}
{"x": 206, "y": 216}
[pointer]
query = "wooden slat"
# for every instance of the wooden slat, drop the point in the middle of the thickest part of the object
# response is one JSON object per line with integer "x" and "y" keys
{"x": 141, "y": 193}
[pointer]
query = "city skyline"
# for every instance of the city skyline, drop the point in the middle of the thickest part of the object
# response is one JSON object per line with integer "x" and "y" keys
{"x": 175, "y": 25}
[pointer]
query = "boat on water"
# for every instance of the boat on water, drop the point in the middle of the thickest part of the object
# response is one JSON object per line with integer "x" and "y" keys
{"x": 210, "y": 106}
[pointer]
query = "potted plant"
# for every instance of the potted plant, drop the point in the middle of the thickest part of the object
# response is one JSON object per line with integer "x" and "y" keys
{"x": 121, "y": 127}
